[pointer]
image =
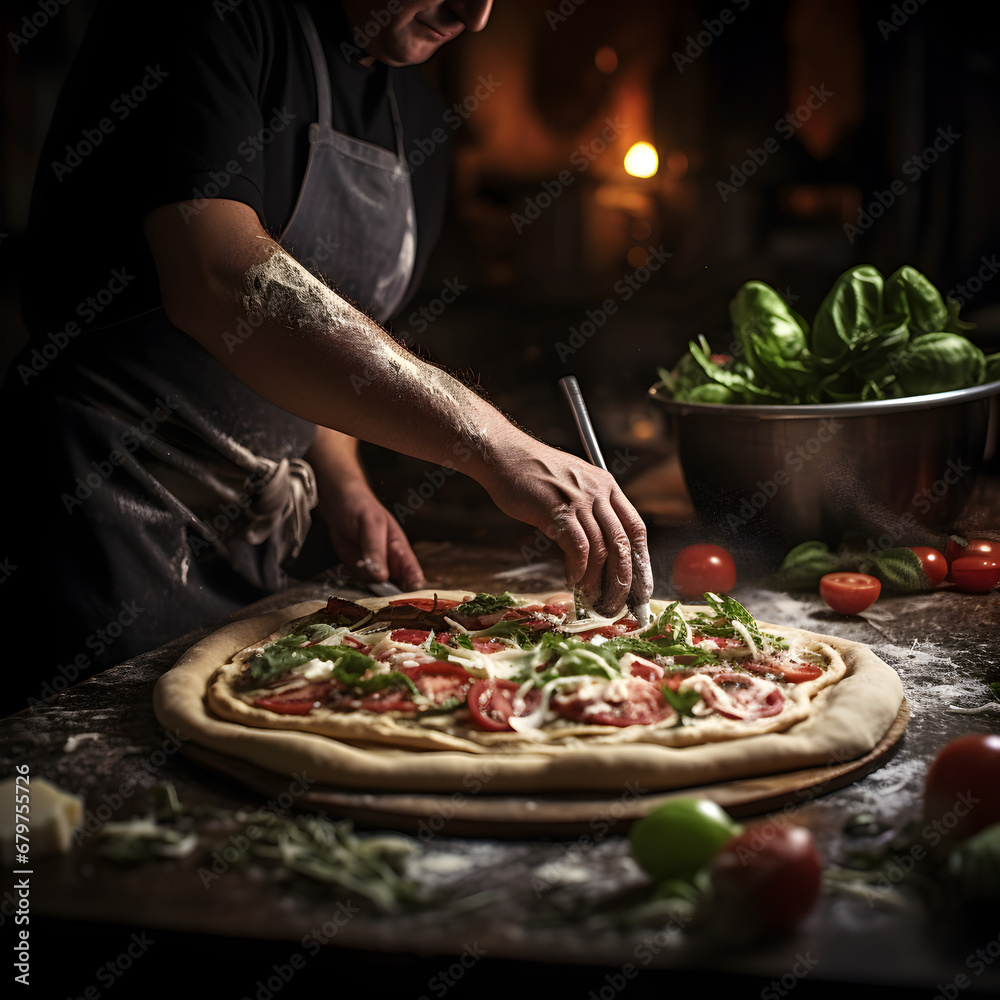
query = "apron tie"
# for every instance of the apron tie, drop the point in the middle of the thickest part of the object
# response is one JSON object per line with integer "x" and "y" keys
{"x": 280, "y": 509}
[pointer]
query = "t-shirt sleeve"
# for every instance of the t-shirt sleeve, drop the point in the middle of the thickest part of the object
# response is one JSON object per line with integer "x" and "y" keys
{"x": 174, "y": 88}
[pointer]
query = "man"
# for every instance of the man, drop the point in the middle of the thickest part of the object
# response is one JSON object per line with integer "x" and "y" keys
{"x": 192, "y": 389}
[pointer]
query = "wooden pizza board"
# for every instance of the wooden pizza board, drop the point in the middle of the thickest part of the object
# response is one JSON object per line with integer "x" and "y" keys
{"x": 551, "y": 814}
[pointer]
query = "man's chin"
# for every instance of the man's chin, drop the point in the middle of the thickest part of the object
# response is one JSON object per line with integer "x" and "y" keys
{"x": 406, "y": 54}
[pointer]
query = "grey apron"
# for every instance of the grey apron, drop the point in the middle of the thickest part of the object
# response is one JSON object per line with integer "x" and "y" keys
{"x": 355, "y": 209}
{"x": 170, "y": 493}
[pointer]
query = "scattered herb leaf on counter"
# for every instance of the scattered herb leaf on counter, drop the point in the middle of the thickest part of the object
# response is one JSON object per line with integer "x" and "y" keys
{"x": 871, "y": 338}
{"x": 369, "y": 866}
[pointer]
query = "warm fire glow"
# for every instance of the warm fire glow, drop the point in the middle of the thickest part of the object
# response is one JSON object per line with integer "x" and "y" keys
{"x": 641, "y": 160}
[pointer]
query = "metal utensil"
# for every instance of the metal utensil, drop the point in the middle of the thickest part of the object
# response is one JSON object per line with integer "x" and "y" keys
{"x": 581, "y": 415}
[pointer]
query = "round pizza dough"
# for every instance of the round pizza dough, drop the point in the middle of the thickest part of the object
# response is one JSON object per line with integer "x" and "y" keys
{"x": 844, "y": 721}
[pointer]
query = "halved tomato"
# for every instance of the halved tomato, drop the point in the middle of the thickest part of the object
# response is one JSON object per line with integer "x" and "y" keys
{"x": 849, "y": 593}
{"x": 976, "y": 574}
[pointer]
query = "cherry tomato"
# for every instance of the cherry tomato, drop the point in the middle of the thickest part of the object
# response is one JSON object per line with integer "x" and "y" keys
{"x": 768, "y": 876}
{"x": 679, "y": 838}
{"x": 955, "y": 549}
{"x": 849, "y": 593}
{"x": 962, "y": 788}
{"x": 702, "y": 568}
{"x": 976, "y": 574}
{"x": 982, "y": 547}
{"x": 933, "y": 563}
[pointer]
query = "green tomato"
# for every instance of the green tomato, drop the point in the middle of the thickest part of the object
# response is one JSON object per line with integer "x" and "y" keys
{"x": 679, "y": 838}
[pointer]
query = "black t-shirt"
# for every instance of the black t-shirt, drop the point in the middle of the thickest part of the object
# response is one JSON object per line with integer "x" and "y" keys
{"x": 195, "y": 99}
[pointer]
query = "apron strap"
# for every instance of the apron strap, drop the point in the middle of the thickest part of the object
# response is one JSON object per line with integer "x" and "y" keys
{"x": 322, "y": 73}
{"x": 320, "y": 70}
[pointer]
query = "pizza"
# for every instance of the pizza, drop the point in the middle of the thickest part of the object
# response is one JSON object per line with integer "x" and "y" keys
{"x": 457, "y": 672}
{"x": 409, "y": 692}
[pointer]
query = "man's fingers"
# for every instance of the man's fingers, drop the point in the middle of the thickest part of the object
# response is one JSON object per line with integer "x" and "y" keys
{"x": 404, "y": 567}
{"x": 642, "y": 572}
{"x": 372, "y": 543}
{"x": 566, "y": 531}
{"x": 616, "y": 576}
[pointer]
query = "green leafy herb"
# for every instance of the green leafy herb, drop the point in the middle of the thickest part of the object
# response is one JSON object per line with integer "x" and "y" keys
{"x": 871, "y": 338}
{"x": 485, "y": 604}
{"x": 682, "y": 702}
{"x": 348, "y": 665}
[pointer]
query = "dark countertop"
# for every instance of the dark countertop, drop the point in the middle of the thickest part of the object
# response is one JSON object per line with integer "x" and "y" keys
{"x": 94, "y": 923}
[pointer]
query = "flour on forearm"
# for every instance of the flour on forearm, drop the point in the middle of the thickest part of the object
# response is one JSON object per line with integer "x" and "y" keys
{"x": 282, "y": 291}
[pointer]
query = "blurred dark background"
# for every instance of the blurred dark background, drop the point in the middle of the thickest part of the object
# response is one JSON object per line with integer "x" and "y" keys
{"x": 794, "y": 140}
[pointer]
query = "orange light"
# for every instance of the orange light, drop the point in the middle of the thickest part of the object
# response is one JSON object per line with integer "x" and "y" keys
{"x": 606, "y": 59}
{"x": 641, "y": 160}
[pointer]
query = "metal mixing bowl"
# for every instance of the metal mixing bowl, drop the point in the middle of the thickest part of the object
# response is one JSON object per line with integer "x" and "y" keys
{"x": 882, "y": 473}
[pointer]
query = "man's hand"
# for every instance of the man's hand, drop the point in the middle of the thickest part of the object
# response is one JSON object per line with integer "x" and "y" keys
{"x": 584, "y": 511}
{"x": 367, "y": 538}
